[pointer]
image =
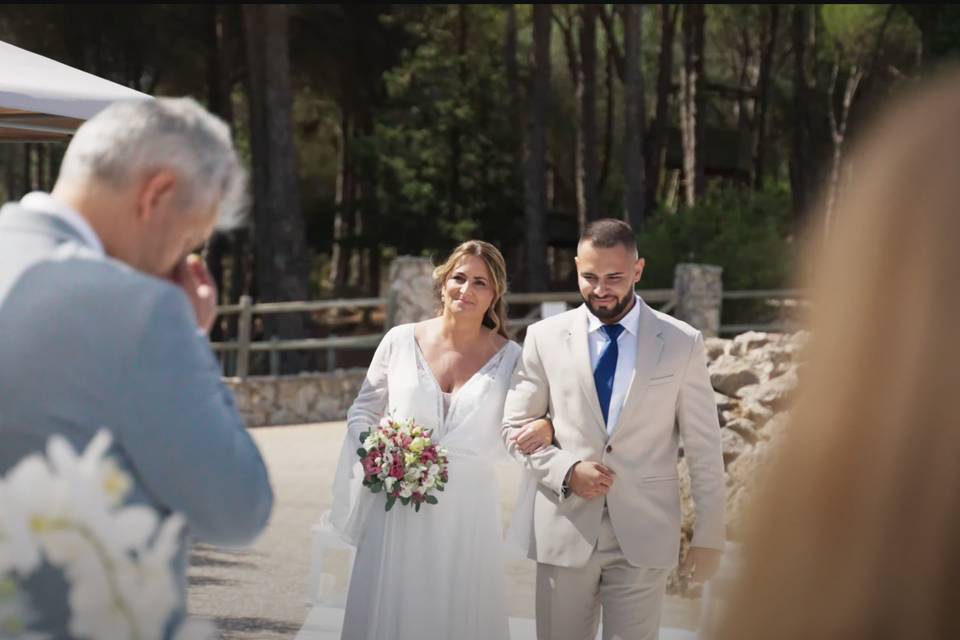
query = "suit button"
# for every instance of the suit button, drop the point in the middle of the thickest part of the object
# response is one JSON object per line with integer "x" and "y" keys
{"x": 609, "y": 448}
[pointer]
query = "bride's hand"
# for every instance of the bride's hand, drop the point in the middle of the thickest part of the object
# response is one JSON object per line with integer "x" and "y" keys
{"x": 534, "y": 436}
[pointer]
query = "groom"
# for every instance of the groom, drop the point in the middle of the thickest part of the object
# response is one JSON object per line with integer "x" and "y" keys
{"x": 103, "y": 322}
{"x": 626, "y": 387}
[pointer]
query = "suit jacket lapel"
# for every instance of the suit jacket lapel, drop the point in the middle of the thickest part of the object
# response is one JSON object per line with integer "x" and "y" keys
{"x": 649, "y": 346}
{"x": 580, "y": 353}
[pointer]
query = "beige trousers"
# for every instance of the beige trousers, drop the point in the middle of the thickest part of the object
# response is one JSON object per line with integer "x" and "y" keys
{"x": 570, "y": 600}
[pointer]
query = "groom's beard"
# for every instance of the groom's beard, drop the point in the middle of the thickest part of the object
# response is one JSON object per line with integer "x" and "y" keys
{"x": 613, "y": 312}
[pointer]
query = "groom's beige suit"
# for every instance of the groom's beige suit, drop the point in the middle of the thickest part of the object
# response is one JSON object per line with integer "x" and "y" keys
{"x": 615, "y": 550}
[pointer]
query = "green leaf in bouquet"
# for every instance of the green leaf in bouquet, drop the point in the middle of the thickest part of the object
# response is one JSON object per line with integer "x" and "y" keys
{"x": 405, "y": 501}
{"x": 439, "y": 487}
{"x": 391, "y": 500}
{"x": 432, "y": 500}
{"x": 362, "y": 453}
{"x": 416, "y": 507}
{"x": 376, "y": 486}
{"x": 363, "y": 436}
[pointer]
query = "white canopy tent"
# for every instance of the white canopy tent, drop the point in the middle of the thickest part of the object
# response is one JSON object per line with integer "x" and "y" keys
{"x": 43, "y": 100}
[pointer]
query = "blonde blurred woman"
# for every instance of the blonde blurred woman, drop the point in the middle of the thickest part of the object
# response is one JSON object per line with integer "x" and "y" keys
{"x": 437, "y": 574}
{"x": 856, "y": 534}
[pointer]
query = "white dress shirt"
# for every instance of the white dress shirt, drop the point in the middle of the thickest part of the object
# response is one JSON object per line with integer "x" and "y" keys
{"x": 44, "y": 202}
{"x": 626, "y": 357}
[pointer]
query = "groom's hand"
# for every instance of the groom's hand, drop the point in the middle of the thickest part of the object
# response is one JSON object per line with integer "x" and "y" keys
{"x": 590, "y": 479}
{"x": 700, "y": 564}
{"x": 194, "y": 278}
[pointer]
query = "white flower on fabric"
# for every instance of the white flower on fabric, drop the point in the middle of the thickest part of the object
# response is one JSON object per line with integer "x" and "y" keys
{"x": 116, "y": 483}
{"x": 117, "y": 564}
{"x": 18, "y": 551}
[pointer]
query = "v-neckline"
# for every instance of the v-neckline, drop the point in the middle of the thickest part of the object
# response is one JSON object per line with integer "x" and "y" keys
{"x": 453, "y": 394}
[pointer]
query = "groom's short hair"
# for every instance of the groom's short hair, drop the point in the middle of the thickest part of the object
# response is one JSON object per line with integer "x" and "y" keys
{"x": 609, "y": 232}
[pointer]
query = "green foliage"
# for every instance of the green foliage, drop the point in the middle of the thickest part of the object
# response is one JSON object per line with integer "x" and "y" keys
{"x": 853, "y": 25}
{"x": 445, "y": 138}
{"x": 747, "y": 233}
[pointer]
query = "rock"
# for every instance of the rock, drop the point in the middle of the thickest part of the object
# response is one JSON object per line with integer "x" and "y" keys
{"x": 755, "y": 413}
{"x": 774, "y": 394}
{"x": 745, "y": 428}
{"x": 675, "y": 584}
{"x": 724, "y": 402}
{"x": 716, "y": 347}
{"x": 727, "y": 416}
{"x": 689, "y": 515}
{"x": 746, "y": 342}
{"x": 729, "y": 374}
{"x": 734, "y": 445}
{"x": 412, "y": 292}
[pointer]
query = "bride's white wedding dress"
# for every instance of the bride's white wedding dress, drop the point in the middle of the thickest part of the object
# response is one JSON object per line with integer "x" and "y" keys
{"x": 437, "y": 574}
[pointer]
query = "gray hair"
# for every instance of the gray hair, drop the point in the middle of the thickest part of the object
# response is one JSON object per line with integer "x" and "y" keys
{"x": 131, "y": 138}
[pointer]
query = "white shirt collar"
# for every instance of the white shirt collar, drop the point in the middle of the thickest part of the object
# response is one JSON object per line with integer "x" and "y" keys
{"x": 630, "y": 322}
{"x": 44, "y": 202}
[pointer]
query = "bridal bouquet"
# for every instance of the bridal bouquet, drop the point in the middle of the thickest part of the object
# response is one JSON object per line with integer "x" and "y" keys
{"x": 67, "y": 510}
{"x": 400, "y": 459}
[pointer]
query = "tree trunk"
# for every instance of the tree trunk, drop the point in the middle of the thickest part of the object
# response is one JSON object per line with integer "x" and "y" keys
{"x": 567, "y": 26}
{"x": 633, "y": 169}
{"x": 455, "y": 205}
{"x": 802, "y": 179}
{"x": 344, "y": 218}
{"x": 535, "y": 183}
{"x": 219, "y": 88}
{"x": 763, "y": 95}
{"x": 746, "y": 74}
{"x": 368, "y": 179}
{"x": 609, "y": 114}
{"x": 281, "y": 261}
{"x": 588, "y": 199}
{"x": 513, "y": 87}
{"x": 655, "y": 148}
{"x": 693, "y": 103}
{"x": 838, "y": 131}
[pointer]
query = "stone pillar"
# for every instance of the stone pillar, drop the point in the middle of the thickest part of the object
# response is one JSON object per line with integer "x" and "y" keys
{"x": 412, "y": 296}
{"x": 699, "y": 291}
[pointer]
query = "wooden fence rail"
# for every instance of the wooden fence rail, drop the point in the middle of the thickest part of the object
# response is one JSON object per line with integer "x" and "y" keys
{"x": 244, "y": 346}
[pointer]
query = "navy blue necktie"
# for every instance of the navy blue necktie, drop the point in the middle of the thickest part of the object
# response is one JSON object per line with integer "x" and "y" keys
{"x": 607, "y": 368}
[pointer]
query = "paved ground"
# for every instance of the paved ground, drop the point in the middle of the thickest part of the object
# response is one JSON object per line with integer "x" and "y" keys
{"x": 261, "y": 592}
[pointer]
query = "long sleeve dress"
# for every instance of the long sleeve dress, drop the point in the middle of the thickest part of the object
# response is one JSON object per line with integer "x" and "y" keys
{"x": 436, "y": 574}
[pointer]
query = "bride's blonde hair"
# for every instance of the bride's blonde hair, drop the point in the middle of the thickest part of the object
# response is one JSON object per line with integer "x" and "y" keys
{"x": 496, "y": 316}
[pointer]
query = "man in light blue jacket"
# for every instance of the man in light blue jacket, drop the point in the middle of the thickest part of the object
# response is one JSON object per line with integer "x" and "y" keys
{"x": 104, "y": 313}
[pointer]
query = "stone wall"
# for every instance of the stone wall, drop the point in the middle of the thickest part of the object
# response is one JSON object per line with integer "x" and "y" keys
{"x": 699, "y": 290}
{"x": 753, "y": 376}
{"x": 308, "y": 397}
{"x": 412, "y": 295}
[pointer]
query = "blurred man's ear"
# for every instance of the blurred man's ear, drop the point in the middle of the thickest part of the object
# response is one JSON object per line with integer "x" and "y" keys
{"x": 155, "y": 194}
{"x": 641, "y": 263}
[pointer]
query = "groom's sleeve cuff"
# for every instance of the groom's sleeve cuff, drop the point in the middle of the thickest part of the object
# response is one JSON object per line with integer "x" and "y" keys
{"x": 565, "y": 487}
{"x": 557, "y": 466}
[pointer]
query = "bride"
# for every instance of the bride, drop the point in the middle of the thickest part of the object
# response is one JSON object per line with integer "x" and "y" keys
{"x": 438, "y": 573}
